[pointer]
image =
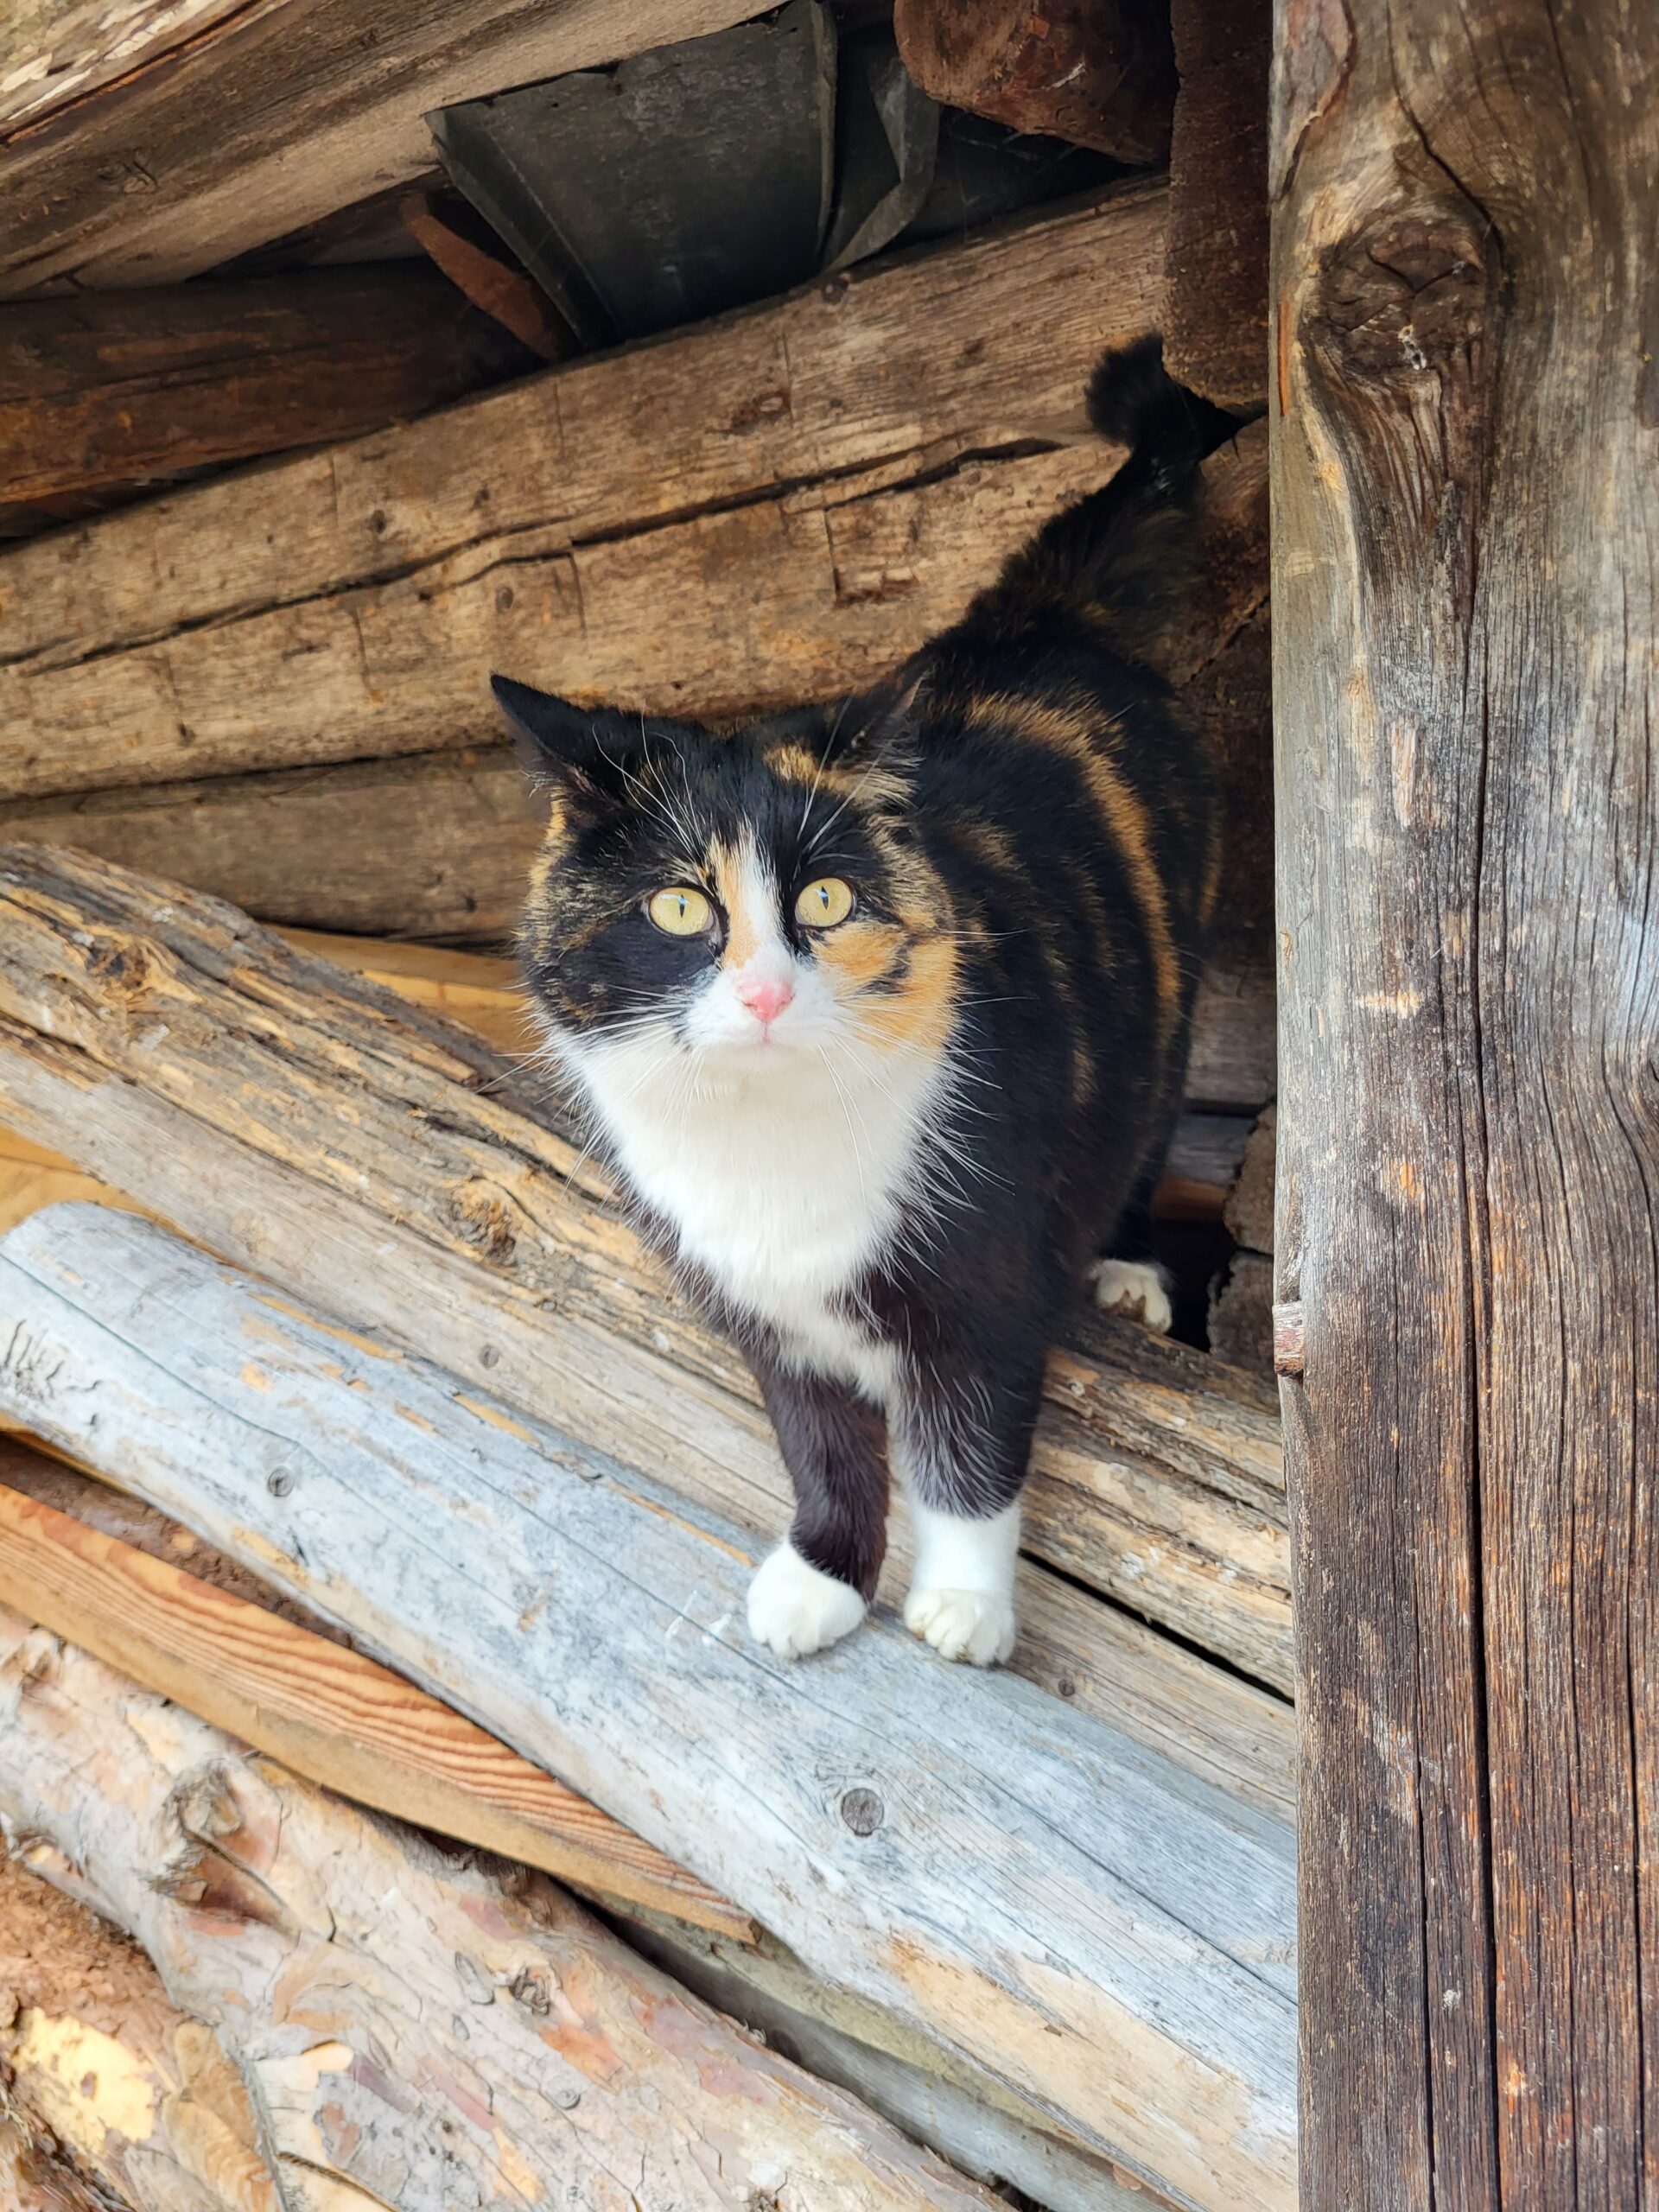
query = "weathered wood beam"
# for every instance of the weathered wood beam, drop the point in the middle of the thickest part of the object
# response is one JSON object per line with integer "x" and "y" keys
{"x": 414, "y": 2030}
{"x": 198, "y": 1063}
{"x": 53, "y": 52}
{"x": 326, "y": 1711}
{"x": 1216, "y": 307}
{"x": 111, "y": 2097}
{"x": 938, "y": 1843}
{"x": 102, "y": 391}
{"x": 755, "y": 492}
{"x": 1098, "y": 72}
{"x": 238, "y": 126}
{"x": 1466, "y": 607}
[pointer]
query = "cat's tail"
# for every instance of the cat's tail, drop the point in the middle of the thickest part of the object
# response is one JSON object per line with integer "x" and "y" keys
{"x": 1131, "y": 548}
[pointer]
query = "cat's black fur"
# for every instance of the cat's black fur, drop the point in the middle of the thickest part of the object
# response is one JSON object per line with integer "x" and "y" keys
{"x": 1030, "y": 827}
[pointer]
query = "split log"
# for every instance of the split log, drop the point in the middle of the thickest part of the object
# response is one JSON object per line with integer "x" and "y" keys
{"x": 105, "y": 390}
{"x": 413, "y": 2030}
{"x": 1098, "y": 72}
{"x": 239, "y": 126}
{"x": 1241, "y": 1313}
{"x": 197, "y": 1063}
{"x": 471, "y": 255}
{"x": 1216, "y": 311}
{"x": 1466, "y": 605}
{"x": 1249, "y": 1212}
{"x": 935, "y": 1839}
{"x": 311, "y": 571}
{"x": 112, "y": 2095}
{"x": 326, "y": 1711}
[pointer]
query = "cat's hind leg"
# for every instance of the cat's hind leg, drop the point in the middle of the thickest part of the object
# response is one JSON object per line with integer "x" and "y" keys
{"x": 816, "y": 1586}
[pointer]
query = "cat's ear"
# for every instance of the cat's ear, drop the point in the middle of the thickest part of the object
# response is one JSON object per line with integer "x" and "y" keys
{"x": 588, "y": 746}
{"x": 878, "y": 726}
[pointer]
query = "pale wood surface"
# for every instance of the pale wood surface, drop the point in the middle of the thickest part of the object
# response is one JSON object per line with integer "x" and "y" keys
{"x": 113, "y": 2098}
{"x": 276, "y": 114}
{"x": 327, "y": 1712}
{"x": 53, "y": 51}
{"x": 414, "y": 2029}
{"x": 582, "y": 1615}
{"x": 197, "y": 1063}
{"x": 1465, "y": 625}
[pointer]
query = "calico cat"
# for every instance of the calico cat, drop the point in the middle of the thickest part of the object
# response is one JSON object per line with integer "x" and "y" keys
{"x": 880, "y": 1010}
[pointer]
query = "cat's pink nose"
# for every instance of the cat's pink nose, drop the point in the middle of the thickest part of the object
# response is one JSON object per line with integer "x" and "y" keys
{"x": 765, "y": 995}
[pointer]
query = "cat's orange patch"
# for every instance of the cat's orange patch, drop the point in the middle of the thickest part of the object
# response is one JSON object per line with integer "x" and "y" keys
{"x": 741, "y": 887}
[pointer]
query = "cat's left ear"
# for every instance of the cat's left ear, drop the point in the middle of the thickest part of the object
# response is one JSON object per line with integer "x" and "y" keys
{"x": 554, "y": 736}
{"x": 878, "y": 726}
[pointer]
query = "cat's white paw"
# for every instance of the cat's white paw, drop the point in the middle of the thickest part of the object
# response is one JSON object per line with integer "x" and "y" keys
{"x": 1138, "y": 1289}
{"x": 976, "y": 1626}
{"x": 794, "y": 1609}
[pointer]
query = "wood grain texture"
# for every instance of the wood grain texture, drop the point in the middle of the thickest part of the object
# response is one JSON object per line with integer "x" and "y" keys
{"x": 1466, "y": 611}
{"x": 601, "y": 1635}
{"x": 109, "y": 390}
{"x": 273, "y": 115}
{"x": 112, "y": 2099}
{"x": 1216, "y": 307}
{"x": 415, "y": 2029}
{"x": 1098, "y": 72}
{"x": 326, "y": 1711}
{"x": 53, "y": 51}
{"x": 197, "y": 1063}
{"x": 802, "y": 432}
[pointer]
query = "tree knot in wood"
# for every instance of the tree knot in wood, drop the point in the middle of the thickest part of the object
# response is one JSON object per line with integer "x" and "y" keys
{"x": 479, "y": 1212}
{"x": 1405, "y": 298}
{"x": 862, "y": 1811}
{"x": 120, "y": 968}
{"x": 214, "y": 1868}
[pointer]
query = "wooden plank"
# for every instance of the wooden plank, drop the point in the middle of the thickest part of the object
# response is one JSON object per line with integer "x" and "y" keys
{"x": 326, "y": 1711}
{"x": 113, "y": 2098}
{"x": 937, "y": 1843}
{"x": 758, "y": 438}
{"x": 1466, "y": 600}
{"x": 313, "y": 104}
{"x": 53, "y": 52}
{"x": 414, "y": 2028}
{"x": 472, "y": 257}
{"x": 1216, "y": 313}
{"x": 195, "y": 1062}
{"x": 109, "y": 390}
{"x": 1098, "y": 72}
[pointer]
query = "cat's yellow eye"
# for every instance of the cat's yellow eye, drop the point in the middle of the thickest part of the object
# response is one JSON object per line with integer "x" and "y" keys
{"x": 681, "y": 911}
{"x": 822, "y": 904}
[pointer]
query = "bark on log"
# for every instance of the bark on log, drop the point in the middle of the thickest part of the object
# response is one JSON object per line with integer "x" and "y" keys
{"x": 934, "y": 1841}
{"x": 328, "y": 1713}
{"x": 414, "y": 2029}
{"x": 1215, "y": 306}
{"x": 349, "y": 583}
{"x": 111, "y": 2096}
{"x": 1098, "y": 72}
{"x": 111, "y": 390}
{"x": 195, "y": 1062}
{"x": 1466, "y": 604}
{"x": 245, "y": 126}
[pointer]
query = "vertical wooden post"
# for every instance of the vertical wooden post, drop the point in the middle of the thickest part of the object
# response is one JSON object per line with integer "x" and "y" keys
{"x": 1465, "y": 628}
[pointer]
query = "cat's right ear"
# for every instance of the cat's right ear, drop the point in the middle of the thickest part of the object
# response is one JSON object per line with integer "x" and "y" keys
{"x": 557, "y": 738}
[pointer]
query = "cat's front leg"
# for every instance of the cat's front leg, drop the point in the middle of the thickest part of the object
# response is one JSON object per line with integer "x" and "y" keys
{"x": 962, "y": 1437}
{"x": 816, "y": 1586}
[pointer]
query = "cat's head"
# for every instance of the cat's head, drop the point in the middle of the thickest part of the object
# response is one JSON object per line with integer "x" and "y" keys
{"x": 744, "y": 898}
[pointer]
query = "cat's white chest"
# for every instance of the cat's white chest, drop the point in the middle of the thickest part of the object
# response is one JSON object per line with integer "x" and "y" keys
{"x": 782, "y": 1188}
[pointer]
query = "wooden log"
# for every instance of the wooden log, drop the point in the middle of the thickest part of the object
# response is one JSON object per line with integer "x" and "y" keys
{"x": 934, "y": 1841}
{"x": 114, "y": 2097}
{"x": 197, "y": 1063}
{"x": 111, "y": 390}
{"x": 1466, "y": 600}
{"x": 311, "y": 570}
{"x": 53, "y": 52}
{"x": 413, "y": 2029}
{"x": 326, "y": 1711}
{"x": 244, "y": 126}
{"x": 1216, "y": 307}
{"x": 1240, "y": 1312}
{"x": 1249, "y": 1212}
{"x": 473, "y": 258}
{"x": 1101, "y": 75}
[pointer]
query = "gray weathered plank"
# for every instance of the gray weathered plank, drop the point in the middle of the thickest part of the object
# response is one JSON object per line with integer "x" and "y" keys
{"x": 1086, "y": 1920}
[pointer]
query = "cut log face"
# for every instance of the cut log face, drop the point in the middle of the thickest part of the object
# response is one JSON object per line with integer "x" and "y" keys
{"x": 196, "y": 1063}
{"x": 1216, "y": 316}
{"x": 414, "y": 2029}
{"x": 936, "y": 1840}
{"x": 102, "y": 2071}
